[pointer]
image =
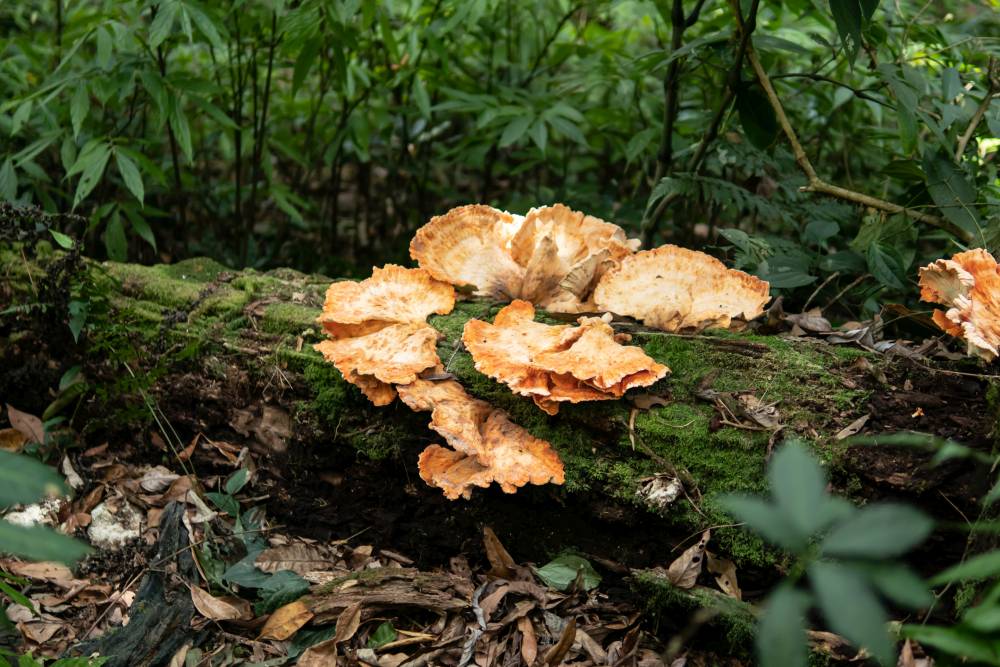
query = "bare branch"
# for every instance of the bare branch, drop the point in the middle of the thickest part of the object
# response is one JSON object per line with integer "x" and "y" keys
{"x": 993, "y": 90}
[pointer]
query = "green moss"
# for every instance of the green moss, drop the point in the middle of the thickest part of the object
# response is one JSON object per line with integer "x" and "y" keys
{"x": 288, "y": 317}
{"x": 731, "y": 629}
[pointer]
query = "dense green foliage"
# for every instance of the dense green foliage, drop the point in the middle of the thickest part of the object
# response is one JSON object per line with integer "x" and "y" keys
{"x": 320, "y": 134}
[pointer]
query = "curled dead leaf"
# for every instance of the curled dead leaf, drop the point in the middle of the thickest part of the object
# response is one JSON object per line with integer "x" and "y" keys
{"x": 684, "y": 571}
{"x": 285, "y": 621}
{"x": 222, "y": 608}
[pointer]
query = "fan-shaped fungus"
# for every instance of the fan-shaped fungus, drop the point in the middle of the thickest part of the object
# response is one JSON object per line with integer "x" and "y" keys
{"x": 557, "y": 363}
{"x": 675, "y": 289}
{"x": 378, "y": 332}
{"x": 969, "y": 285}
{"x": 486, "y": 445}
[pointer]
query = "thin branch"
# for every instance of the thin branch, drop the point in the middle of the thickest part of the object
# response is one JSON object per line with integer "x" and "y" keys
{"x": 816, "y": 184}
{"x": 533, "y": 72}
{"x": 858, "y": 92}
{"x": 993, "y": 90}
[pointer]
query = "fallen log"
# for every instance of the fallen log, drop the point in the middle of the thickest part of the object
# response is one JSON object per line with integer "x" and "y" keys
{"x": 197, "y": 348}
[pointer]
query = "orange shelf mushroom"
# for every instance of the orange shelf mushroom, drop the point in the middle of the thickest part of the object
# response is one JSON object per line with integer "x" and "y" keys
{"x": 553, "y": 256}
{"x": 556, "y": 363}
{"x": 969, "y": 285}
{"x": 486, "y": 446}
{"x": 378, "y": 332}
{"x": 676, "y": 289}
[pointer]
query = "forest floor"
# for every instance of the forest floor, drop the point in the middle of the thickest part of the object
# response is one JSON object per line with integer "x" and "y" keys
{"x": 232, "y": 525}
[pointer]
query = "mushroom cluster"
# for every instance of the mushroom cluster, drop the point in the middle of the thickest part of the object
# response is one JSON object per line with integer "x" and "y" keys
{"x": 556, "y": 363}
{"x": 552, "y": 258}
{"x": 969, "y": 285}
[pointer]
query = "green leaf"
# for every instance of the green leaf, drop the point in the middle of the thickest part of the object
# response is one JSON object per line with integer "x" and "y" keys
{"x": 562, "y": 572}
{"x": 141, "y": 227}
{"x": 818, "y": 232}
{"x": 114, "y": 239}
{"x": 851, "y": 608}
{"x": 20, "y": 116}
{"x": 885, "y": 265}
{"x": 951, "y": 83}
{"x": 516, "y": 129}
{"x": 421, "y": 97}
{"x": 766, "y": 519}
{"x": 206, "y": 25}
{"x": 781, "y": 632}
{"x": 104, "y": 47}
{"x": 957, "y": 641}
{"x": 163, "y": 22}
{"x": 882, "y": 530}
{"x": 757, "y": 117}
{"x": 798, "y": 486}
{"x": 25, "y": 480}
{"x": 539, "y": 134}
{"x": 993, "y": 495}
{"x": 983, "y": 618}
{"x": 305, "y": 638}
{"x": 983, "y": 566}
{"x": 182, "y": 131}
{"x": 62, "y": 239}
{"x": 282, "y": 587}
{"x": 78, "y": 311}
{"x": 951, "y": 190}
{"x": 245, "y": 573}
{"x": 900, "y": 584}
{"x": 237, "y": 481}
{"x": 383, "y": 634}
{"x": 131, "y": 176}
{"x": 847, "y": 16}
{"x": 79, "y": 107}
{"x": 15, "y": 595}
{"x": 304, "y": 63}
{"x": 40, "y": 543}
{"x": 8, "y": 181}
{"x": 93, "y": 163}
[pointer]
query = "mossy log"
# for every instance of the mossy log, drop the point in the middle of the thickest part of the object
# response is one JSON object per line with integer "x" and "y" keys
{"x": 220, "y": 352}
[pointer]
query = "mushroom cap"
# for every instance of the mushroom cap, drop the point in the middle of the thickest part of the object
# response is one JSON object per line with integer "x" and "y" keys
{"x": 468, "y": 246}
{"x": 564, "y": 253}
{"x": 487, "y": 446}
{"x": 394, "y": 354}
{"x": 673, "y": 289}
{"x": 391, "y": 294}
{"x": 557, "y": 363}
{"x": 969, "y": 284}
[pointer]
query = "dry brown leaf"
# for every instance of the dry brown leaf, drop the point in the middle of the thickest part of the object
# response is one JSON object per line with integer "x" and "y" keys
{"x": 53, "y": 573}
{"x": 968, "y": 284}
{"x": 224, "y": 608}
{"x": 556, "y": 363}
{"x": 299, "y": 558}
{"x": 12, "y": 440}
{"x": 684, "y": 571}
{"x": 348, "y": 623}
{"x": 323, "y": 654}
{"x": 853, "y": 428}
{"x": 554, "y": 656}
{"x": 501, "y": 562}
{"x": 676, "y": 289}
{"x": 725, "y": 575}
{"x": 285, "y": 621}
{"x": 529, "y": 641}
{"x": 29, "y": 425}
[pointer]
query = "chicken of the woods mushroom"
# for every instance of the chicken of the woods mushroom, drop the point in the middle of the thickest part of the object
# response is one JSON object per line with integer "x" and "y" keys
{"x": 968, "y": 284}
{"x": 552, "y": 364}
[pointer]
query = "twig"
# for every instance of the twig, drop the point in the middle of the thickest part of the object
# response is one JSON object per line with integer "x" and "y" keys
{"x": 816, "y": 292}
{"x": 854, "y": 283}
{"x": 816, "y": 184}
{"x": 993, "y": 89}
